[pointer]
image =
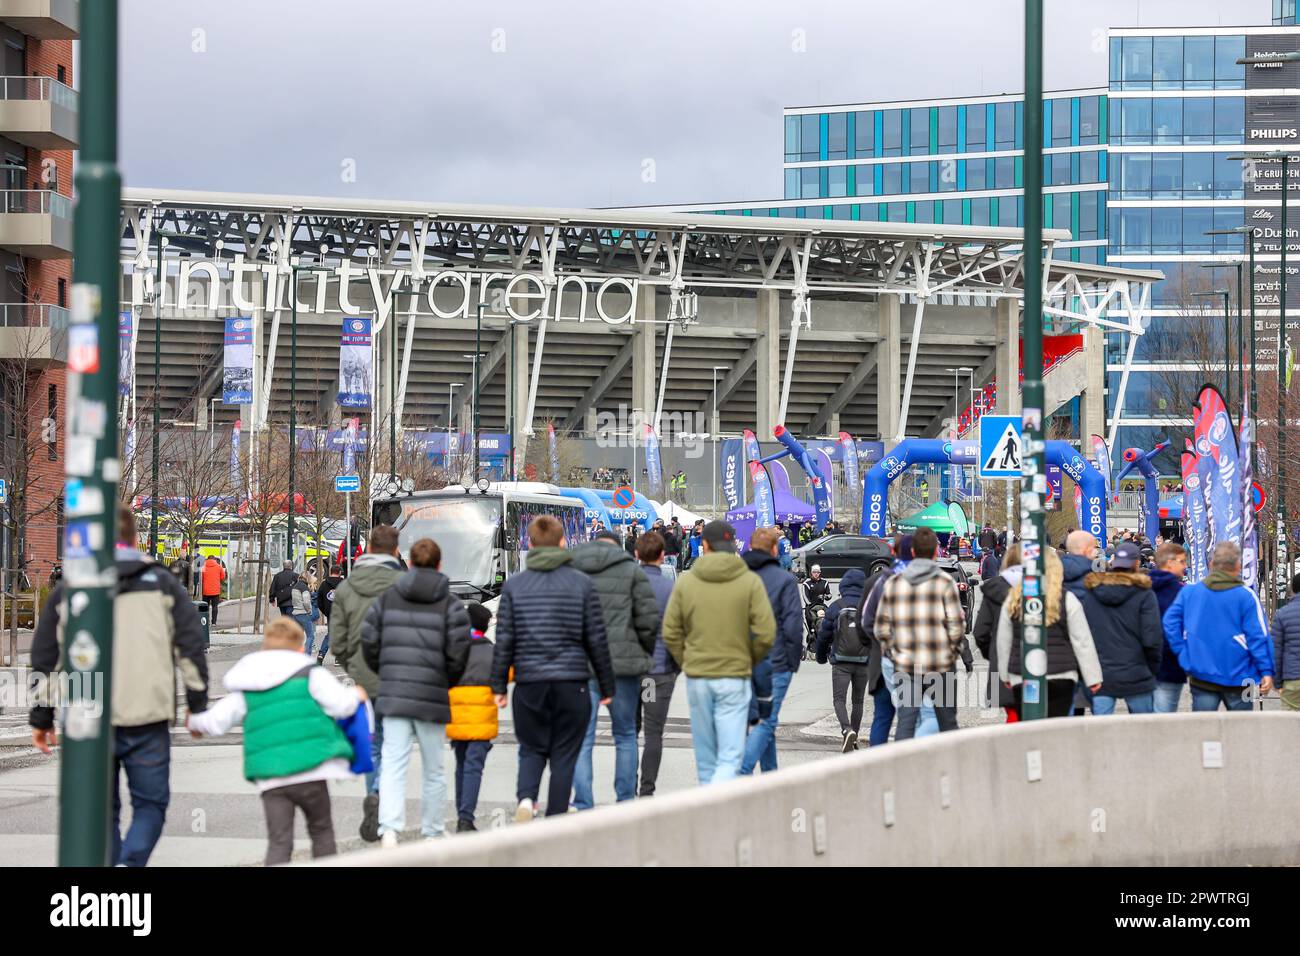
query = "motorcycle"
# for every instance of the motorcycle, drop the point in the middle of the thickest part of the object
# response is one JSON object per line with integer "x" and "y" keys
{"x": 813, "y": 615}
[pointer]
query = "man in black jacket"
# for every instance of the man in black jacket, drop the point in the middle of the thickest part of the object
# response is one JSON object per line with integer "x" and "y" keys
{"x": 325, "y": 604}
{"x": 631, "y": 614}
{"x": 551, "y": 630}
{"x": 787, "y": 650}
{"x": 1124, "y": 617}
{"x": 416, "y": 638}
{"x": 280, "y": 592}
{"x": 156, "y": 632}
{"x": 852, "y": 669}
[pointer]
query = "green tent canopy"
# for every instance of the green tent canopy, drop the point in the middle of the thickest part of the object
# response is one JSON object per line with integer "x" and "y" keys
{"x": 936, "y": 517}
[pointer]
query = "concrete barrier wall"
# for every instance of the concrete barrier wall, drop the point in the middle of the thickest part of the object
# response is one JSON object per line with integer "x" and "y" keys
{"x": 1185, "y": 789}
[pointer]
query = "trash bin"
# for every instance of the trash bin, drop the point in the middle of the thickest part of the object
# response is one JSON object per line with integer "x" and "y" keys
{"x": 201, "y": 607}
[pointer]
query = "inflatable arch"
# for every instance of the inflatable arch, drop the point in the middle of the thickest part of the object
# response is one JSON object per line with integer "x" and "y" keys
{"x": 920, "y": 451}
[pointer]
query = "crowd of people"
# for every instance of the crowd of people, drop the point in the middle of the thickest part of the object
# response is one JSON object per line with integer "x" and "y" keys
{"x": 593, "y": 626}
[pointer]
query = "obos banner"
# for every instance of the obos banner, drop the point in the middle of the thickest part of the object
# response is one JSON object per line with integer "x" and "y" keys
{"x": 125, "y": 369}
{"x": 237, "y": 376}
{"x": 234, "y": 453}
{"x": 653, "y": 467}
{"x": 764, "y": 509}
{"x": 356, "y": 371}
{"x": 1102, "y": 454}
{"x": 350, "y": 446}
{"x": 729, "y": 462}
{"x": 1216, "y": 440}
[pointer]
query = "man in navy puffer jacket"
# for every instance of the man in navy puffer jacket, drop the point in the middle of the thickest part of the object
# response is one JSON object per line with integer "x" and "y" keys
{"x": 1166, "y": 582}
{"x": 549, "y": 628}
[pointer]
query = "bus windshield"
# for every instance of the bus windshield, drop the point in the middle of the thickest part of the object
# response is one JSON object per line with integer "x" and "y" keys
{"x": 465, "y": 529}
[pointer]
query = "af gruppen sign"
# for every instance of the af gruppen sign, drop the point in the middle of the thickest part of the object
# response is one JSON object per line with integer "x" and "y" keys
{"x": 445, "y": 294}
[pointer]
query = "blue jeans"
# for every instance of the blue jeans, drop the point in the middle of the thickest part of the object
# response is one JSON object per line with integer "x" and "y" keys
{"x": 401, "y": 734}
{"x": 760, "y": 748}
{"x": 928, "y": 723}
{"x": 325, "y": 642}
{"x": 1203, "y": 699}
{"x": 719, "y": 718}
{"x": 1104, "y": 705}
{"x": 622, "y": 715}
{"x": 470, "y": 758}
{"x": 882, "y": 714}
{"x": 376, "y": 756}
{"x": 1167, "y": 695}
{"x": 304, "y": 621}
{"x": 145, "y": 754}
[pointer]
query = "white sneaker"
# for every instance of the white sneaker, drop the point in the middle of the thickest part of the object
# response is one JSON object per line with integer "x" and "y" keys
{"x": 524, "y": 812}
{"x": 388, "y": 840}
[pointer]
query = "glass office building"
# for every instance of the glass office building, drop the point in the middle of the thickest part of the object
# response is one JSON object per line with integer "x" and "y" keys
{"x": 1139, "y": 171}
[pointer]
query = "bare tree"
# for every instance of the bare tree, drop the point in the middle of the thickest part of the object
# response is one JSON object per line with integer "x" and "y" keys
{"x": 194, "y": 481}
{"x": 264, "y": 487}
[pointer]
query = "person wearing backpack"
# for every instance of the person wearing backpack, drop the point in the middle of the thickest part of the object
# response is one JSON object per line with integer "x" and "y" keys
{"x": 842, "y": 641}
{"x": 783, "y": 594}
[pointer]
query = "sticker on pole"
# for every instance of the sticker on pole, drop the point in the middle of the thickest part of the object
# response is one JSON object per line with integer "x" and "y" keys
{"x": 1000, "y": 446}
{"x": 624, "y": 497}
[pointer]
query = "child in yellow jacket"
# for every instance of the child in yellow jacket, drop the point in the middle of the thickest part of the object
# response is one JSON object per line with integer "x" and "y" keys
{"x": 473, "y": 724}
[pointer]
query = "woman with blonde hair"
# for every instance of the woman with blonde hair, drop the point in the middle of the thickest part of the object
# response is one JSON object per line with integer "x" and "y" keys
{"x": 1066, "y": 639}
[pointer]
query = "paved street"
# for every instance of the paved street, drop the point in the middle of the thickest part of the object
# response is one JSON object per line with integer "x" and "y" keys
{"x": 215, "y": 818}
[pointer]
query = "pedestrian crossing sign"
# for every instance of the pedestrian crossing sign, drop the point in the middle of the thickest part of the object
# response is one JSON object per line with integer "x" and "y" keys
{"x": 1000, "y": 446}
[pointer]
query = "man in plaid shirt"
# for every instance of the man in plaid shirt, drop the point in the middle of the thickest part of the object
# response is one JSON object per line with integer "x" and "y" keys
{"x": 919, "y": 625}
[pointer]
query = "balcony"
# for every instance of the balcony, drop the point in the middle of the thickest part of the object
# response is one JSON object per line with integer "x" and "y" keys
{"x": 36, "y": 223}
{"x": 43, "y": 19}
{"x": 38, "y": 111}
{"x": 33, "y": 335}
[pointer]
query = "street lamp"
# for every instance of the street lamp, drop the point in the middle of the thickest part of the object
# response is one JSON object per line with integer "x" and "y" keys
{"x": 713, "y": 431}
{"x": 451, "y": 386}
{"x": 412, "y": 288}
{"x": 294, "y": 269}
{"x": 160, "y": 243}
{"x": 956, "y": 404}
{"x": 1241, "y": 337}
{"x": 212, "y": 423}
{"x": 1227, "y": 343}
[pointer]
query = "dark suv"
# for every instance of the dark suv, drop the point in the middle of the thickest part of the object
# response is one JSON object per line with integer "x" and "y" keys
{"x": 838, "y": 552}
{"x": 965, "y": 588}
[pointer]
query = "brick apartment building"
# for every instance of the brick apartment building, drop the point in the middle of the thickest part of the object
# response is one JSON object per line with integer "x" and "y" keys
{"x": 38, "y": 134}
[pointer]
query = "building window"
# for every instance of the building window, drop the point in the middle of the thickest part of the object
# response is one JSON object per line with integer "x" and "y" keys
{"x": 897, "y": 212}
{"x": 1135, "y": 120}
{"x": 866, "y": 184}
{"x": 1230, "y": 119}
{"x": 1004, "y": 126}
{"x": 1088, "y": 215}
{"x": 1198, "y": 175}
{"x": 893, "y": 133}
{"x": 925, "y": 212}
{"x": 947, "y": 130}
{"x": 1060, "y": 169}
{"x": 1089, "y": 120}
{"x": 1198, "y": 120}
{"x": 1167, "y": 120}
{"x": 52, "y": 404}
{"x": 809, "y": 138}
{"x": 63, "y": 293}
{"x": 1166, "y": 175}
{"x": 976, "y": 125}
{"x": 1061, "y": 211}
{"x": 1061, "y": 122}
{"x": 838, "y": 136}
{"x": 838, "y": 181}
{"x": 919, "y": 140}
{"x": 893, "y": 179}
{"x": 952, "y": 210}
{"x": 1228, "y": 74}
{"x": 864, "y": 135}
{"x": 1004, "y": 172}
{"x": 62, "y": 74}
{"x": 792, "y": 184}
{"x": 1009, "y": 211}
{"x": 1135, "y": 66}
{"x": 792, "y": 139}
{"x": 979, "y": 212}
{"x": 809, "y": 181}
{"x": 841, "y": 212}
{"x": 919, "y": 178}
{"x": 975, "y": 174}
{"x": 1089, "y": 167}
{"x": 1167, "y": 63}
{"x": 1198, "y": 63}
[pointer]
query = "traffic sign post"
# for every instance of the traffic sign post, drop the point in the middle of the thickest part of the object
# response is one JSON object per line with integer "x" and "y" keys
{"x": 1001, "y": 446}
{"x": 345, "y": 485}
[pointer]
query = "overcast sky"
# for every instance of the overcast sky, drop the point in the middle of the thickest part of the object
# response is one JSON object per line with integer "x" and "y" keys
{"x": 562, "y": 102}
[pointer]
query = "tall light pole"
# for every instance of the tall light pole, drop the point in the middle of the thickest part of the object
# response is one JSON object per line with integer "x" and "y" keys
{"x": 474, "y": 400}
{"x": 1033, "y": 657}
{"x": 412, "y": 288}
{"x": 956, "y": 408}
{"x": 87, "y": 779}
{"x": 1227, "y": 342}
{"x": 713, "y": 433}
{"x": 1241, "y": 338}
{"x": 294, "y": 269}
{"x": 159, "y": 244}
{"x": 451, "y": 414}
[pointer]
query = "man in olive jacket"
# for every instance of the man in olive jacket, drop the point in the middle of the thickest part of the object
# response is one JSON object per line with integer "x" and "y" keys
{"x": 627, "y": 602}
{"x": 718, "y": 625}
{"x": 371, "y": 576}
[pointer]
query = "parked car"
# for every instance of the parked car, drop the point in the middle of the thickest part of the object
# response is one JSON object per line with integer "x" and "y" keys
{"x": 965, "y": 588}
{"x": 837, "y": 553}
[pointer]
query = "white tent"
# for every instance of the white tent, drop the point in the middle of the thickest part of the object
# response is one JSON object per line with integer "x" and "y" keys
{"x": 667, "y": 509}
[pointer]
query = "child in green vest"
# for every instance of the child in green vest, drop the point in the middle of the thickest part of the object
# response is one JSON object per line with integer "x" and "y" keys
{"x": 293, "y": 744}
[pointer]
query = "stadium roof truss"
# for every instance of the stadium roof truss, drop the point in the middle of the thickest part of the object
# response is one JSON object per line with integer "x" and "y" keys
{"x": 809, "y": 258}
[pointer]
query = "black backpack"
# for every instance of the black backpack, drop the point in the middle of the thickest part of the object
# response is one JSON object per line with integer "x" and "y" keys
{"x": 849, "y": 645}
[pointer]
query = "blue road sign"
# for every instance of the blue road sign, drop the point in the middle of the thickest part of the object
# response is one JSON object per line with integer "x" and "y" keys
{"x": 347, "y": 483}
{"x": 1000, "y": 445}
{"x": 4, "y": 491}
{"x": 624, "y": 497}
